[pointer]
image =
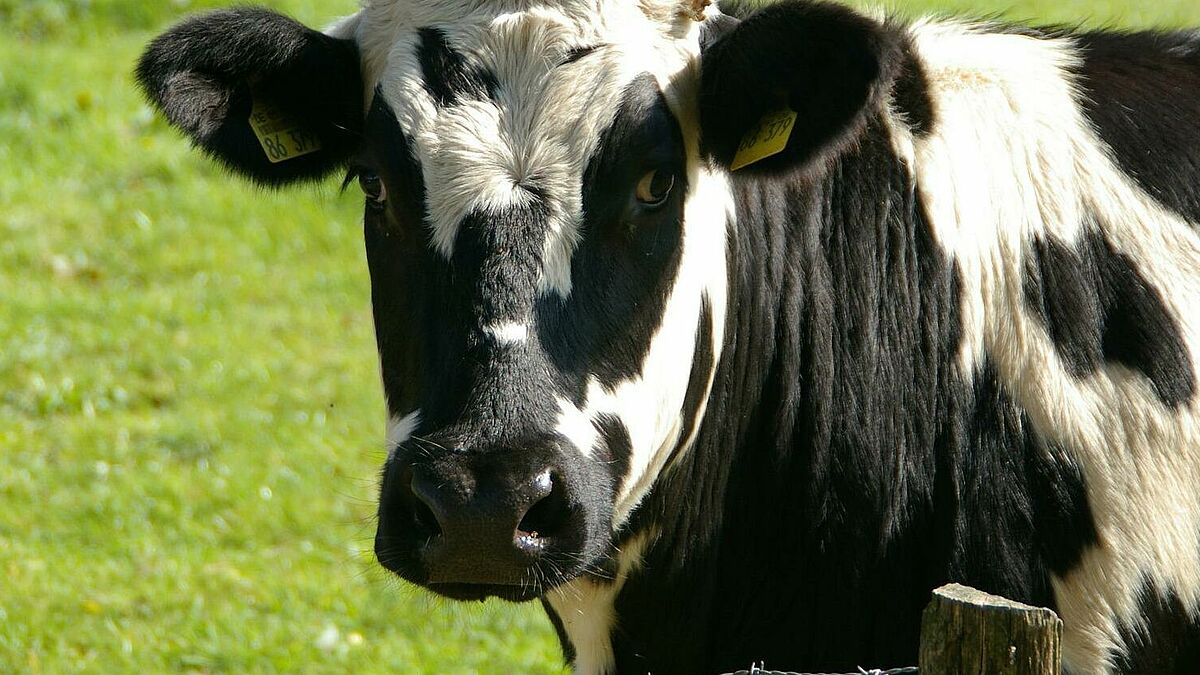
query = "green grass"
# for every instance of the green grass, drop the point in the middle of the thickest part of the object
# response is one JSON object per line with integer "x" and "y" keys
{"x": 190, "y": 415}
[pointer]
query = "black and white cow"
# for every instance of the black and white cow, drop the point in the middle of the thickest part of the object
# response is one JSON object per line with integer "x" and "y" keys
{"x": 712, "y": 417}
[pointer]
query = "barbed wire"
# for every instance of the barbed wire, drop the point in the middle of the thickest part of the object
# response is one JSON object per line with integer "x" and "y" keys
{"x": 756, "y": 670}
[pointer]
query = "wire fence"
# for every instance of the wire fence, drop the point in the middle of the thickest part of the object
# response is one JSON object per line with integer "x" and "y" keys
{"x": 755, "y": 670}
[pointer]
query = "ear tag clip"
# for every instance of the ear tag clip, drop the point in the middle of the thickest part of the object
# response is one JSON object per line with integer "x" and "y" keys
{"x": 768, "y": 138}
{"x": 281, "y": 137}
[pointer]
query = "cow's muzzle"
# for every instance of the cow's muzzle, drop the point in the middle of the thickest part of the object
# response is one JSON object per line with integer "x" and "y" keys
{"x": 470, "y": 525}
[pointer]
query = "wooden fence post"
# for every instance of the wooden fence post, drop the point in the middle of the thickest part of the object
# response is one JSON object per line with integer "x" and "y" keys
{"x": 968, "y": 631}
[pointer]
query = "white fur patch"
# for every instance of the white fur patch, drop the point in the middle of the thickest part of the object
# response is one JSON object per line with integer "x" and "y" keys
{"x": 1011, "y": 157}
{"x": 587, "y": 613}
{"x": 400, "y": 429}
{"x": 508, "y": 333}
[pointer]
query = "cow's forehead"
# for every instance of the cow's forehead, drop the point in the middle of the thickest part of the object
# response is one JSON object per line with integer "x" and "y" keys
{"x": 550, "y": 79}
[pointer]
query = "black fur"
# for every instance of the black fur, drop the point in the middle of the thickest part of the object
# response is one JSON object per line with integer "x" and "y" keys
{"x": 910, "y": 95}
{"x": 1139, "y": 90}
{"x": 205, "y": 73}
{"x": 1098, "y": 307}
{"x": 1168, "y": 643}
{"x": 448, "y": 76}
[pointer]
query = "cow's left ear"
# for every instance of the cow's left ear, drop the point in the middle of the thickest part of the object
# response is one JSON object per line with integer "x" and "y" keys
{"x": 210, "y": 74}
{"x": 828, "y": 64}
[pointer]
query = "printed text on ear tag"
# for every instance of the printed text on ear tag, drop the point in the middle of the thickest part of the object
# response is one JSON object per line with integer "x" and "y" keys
{"x": 282, "y": 138}
{"x": 769, "y": 137}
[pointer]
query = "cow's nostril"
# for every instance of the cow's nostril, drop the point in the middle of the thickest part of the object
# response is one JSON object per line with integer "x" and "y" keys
{"x": 425, "y": 519}
{"x": 423, "y": 516}
{"x": 548, "y": 515}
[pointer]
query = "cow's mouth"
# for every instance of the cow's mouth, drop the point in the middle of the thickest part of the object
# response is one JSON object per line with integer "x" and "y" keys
{"x": 482, "y": 592}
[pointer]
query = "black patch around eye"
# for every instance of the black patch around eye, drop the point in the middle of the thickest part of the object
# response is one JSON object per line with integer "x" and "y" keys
{"x": 644, "y": 136}
{"x": 449, "y": 76}
{"x": 623, "y": 270}
{"x": 389, "y": 153}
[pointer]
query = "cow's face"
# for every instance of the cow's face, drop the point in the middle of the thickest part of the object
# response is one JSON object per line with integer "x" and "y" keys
{"x": 547, "y": 243}
{"x": 540, "y": 271}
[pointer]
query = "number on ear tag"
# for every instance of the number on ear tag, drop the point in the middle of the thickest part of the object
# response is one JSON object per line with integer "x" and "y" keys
{"x": 281, "y": 137}
{"x": 768, "y": 138}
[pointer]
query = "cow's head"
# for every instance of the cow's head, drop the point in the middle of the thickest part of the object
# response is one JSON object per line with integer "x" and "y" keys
{"x": 548, "y": 222}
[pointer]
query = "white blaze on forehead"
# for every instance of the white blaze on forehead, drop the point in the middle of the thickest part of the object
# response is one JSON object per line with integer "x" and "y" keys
{"x": 400, "y": 430}
{"x": 535, "y": 139}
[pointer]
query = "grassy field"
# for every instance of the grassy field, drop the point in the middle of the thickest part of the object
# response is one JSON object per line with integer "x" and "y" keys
{"x": 190, "y": 416}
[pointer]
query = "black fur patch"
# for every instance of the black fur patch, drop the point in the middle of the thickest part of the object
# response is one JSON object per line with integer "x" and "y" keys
{"x": 616, "y": 451}
{"x": 1170, "y": 642}
{"x": 400, "y": 293}
{"x": 498, "y": 255}
{"x": 205, "y": 73}
{"x": 910, "y": 94}
{"x": 624, "y": 268}
{"x": 1139, "y": 90}
{"x": 449, "y": 77}
{"x": 830, "y": 65}
{"x": 1042, "y": 522}
{"x": 1098, "y": 307}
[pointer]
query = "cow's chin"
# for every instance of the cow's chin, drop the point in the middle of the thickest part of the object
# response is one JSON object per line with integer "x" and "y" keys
{"x": 478, "y": 583}
{"x": 482, "y": 592}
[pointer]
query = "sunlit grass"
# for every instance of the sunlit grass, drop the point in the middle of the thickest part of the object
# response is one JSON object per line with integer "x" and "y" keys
{"x": 190, "y": 416}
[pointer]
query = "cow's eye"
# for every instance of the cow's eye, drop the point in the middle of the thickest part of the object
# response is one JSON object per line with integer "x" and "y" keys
{"x": 654, "y": 188}
{"x": 373, "y": 188}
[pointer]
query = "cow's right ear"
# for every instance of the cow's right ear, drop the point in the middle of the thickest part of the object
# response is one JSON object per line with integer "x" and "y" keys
{"x": 211, "y": 73}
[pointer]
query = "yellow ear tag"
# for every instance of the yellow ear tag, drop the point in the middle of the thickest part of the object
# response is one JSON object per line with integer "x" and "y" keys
{"x": 770, "y": 137}
{"x": 282, "y": 138}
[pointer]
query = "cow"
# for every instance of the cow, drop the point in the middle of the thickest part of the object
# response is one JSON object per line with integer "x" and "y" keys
{"x": 729, "y": 335}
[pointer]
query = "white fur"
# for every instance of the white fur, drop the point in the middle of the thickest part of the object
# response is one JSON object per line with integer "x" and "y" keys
{"x": 587, "y": 613}
{"x": 1011, "y": 158}
{"x": 577, "y": 427}
{"x": 400, "y": 429}
{"x": 508, "y": 333}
